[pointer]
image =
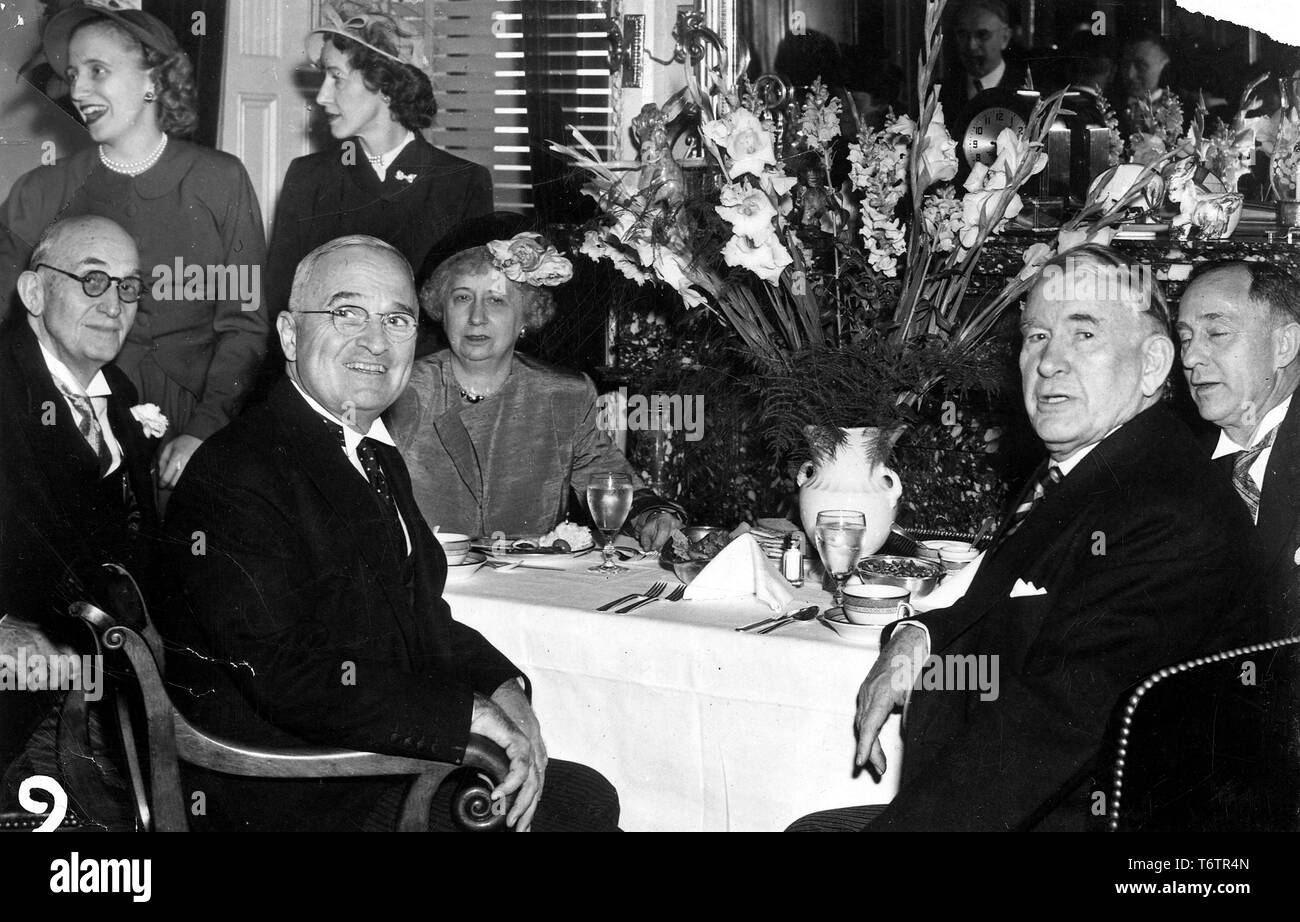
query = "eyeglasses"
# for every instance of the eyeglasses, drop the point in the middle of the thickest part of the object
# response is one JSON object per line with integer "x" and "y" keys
{"x": 96, "y": 282}
{"x": 398, "y": 326}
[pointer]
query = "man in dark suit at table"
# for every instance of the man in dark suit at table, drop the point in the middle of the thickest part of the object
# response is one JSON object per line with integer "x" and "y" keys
{"x": 315, "y": 602}
{"x": 1239, "y": 326}
{"x": 1120, "y": 558}
{"x": 982, "y": 35}
{"x": 75, "y": 484}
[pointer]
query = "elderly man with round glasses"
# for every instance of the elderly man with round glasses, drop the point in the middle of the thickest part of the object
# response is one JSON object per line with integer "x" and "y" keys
{"x": 75, "y": 484}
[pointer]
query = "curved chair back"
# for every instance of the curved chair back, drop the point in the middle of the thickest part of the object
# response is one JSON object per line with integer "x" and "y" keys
{"x": 1211, "y": 744}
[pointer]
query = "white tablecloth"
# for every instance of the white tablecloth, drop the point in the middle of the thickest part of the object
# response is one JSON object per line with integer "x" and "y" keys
{"x": 699, "y": 727}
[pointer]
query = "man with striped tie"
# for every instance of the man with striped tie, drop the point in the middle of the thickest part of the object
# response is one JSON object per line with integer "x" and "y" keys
{"x": 1120, "y": 559}
{"x": 1239, "y": 326}
{"x": 75, "y": 485}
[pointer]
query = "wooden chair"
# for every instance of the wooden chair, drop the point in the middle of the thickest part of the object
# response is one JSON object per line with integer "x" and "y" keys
{"x": 156, "y": 737}
{"x": 1211, "y": 744}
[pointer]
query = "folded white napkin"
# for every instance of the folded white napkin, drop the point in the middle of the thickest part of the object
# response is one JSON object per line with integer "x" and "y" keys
{"x": 1022, "y": 588}
{"x": 740, "y": 570}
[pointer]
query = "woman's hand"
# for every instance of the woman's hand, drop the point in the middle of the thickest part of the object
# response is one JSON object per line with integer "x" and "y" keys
{"x": 175, "y": 455}
{"x": 656, "y": 525}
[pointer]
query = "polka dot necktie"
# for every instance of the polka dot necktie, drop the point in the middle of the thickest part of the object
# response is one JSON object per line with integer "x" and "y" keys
{"x": 88, "y": 426}
{"x": 378, "y": 480}
{"x": 1247, "y": 489}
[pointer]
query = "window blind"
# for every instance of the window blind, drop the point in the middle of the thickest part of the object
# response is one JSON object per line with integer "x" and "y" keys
{"x": 509, "y": 75}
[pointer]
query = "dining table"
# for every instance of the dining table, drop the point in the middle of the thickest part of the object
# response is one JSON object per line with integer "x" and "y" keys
{"x": 698, "y": 726}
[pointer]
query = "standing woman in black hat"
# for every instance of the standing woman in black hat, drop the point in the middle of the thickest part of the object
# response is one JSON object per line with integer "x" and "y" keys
{"x": 199, "y": 332}
{"x": 384, "y": 179}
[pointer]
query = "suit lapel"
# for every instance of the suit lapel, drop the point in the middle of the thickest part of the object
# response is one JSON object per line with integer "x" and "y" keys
{"x": 314, "y": 447}
{"x": 137, "y": 450}
{"x": 62, "y": 440}
{"x": 1280, "y": 498}
{"x": 1063, "y": 506}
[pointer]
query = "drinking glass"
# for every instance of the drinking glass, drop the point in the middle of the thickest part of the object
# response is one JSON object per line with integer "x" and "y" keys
{"x": 609, "y": 497}
{"x": 839, "y": 534}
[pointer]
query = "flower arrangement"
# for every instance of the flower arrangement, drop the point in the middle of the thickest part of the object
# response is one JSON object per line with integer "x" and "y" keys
{"x": 1158, "y": 126}
{"x": 850, "y": 303}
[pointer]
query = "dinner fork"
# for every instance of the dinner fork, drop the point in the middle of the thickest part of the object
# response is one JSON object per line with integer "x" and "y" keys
{"x": 652, "y": 591}
{"x": 651, "y": 594}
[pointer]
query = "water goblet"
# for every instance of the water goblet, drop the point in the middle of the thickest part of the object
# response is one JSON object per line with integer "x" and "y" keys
{"x": 839, "y": 534}
{"x": 609, "y": 497}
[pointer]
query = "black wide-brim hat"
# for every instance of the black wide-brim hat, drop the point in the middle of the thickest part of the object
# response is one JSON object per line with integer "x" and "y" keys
{"x": 149, "y": 30}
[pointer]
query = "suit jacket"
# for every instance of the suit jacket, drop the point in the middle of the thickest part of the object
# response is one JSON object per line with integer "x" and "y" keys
{"x": 1138, "y": 550}
{"x": 326, "y": 195}
{"x": 311, "y": 622}
{"x": 58, "y": 517}
{"x": 196, "y": 205}
{"x": 1272, "y": 575}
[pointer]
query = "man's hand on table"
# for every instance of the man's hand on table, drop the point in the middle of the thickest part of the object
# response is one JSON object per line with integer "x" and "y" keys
{"x": 655, "y": 527}
{"x": 508, "y": 720}
{"x": 887, "y": 686}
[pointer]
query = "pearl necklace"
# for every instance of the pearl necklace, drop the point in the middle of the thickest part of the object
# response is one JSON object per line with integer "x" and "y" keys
{"x": 133, "y": 169}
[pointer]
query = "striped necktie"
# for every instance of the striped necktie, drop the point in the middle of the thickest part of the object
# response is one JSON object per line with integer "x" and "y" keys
{"x": 1045, "y": 482}
{"x": 1247, "y": 489}
{"x": 88, "y": 426}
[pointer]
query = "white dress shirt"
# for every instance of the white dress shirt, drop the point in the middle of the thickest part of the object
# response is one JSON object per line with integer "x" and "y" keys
{"x": 988, "y": 81}
{"x": 1272, "y": 419}
{"x": 98, "y": 391}
{"x": 351, "y": 439}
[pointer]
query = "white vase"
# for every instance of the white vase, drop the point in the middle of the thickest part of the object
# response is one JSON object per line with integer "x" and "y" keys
{"x": 852, "y": 476}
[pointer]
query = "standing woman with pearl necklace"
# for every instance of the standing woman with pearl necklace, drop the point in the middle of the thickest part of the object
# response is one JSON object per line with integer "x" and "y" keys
{"x": 201, "y": 327}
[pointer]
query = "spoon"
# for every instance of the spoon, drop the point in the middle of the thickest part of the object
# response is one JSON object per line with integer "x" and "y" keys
{"x": 803, "y": 614}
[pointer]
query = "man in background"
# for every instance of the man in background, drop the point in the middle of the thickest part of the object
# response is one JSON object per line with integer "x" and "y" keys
{"x": 1239, "y": 327}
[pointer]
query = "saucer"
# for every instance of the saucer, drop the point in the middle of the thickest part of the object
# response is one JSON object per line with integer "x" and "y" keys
{"x": 861, "y": 634}
{"x": 466, "y": 568}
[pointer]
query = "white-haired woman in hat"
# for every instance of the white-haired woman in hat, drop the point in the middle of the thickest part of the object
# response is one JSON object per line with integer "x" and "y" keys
{"x": 383, "y": 179}
{"x": 496, "y": 440}
{"x": 195, "y": 346}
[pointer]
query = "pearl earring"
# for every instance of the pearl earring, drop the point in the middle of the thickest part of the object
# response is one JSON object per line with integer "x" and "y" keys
{"x": 149, "y": 96}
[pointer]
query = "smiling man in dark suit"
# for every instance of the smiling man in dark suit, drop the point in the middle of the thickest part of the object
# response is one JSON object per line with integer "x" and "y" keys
{"x": 75, "y": 485}
{"x": 319, "y": 584}
{"x": 1239, "y": 326}
{"x": 1119, "y": 559}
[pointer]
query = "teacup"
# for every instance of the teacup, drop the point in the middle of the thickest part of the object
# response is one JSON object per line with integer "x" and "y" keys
{"x": 869, "y": 602}
{"x": 957, "y": 557}
{"x": 454, "y": 546}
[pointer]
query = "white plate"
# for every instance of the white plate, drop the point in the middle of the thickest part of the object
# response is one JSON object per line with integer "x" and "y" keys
{"x": 867, "y": 635}
{"x": 466, "y": 568}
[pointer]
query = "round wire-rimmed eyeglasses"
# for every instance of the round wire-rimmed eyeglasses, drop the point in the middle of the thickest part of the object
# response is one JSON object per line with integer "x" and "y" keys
{"x": 95, "y": 282}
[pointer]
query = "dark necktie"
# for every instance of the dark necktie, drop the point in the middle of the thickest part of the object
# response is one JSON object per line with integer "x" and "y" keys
{"x": 1045, "y": 482}
{"x": 378, "y": 481}
{"x": 976, "y": 87}
{"x": 88, "y": 426}
{"x": 1247, "y": 489}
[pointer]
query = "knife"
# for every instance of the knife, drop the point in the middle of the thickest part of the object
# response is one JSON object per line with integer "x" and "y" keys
{"x": 792, "y": 615}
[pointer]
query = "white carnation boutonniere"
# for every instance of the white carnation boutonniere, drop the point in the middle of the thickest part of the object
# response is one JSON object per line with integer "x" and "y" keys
{"x": 151, "y": 419}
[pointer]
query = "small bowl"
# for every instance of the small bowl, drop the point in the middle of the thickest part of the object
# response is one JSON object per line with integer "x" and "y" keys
{"x": 879, "y": 569}
{"x": 932, "y": 549}
{"x": 687, "y": 570}
{"x": 454, "y": 546}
